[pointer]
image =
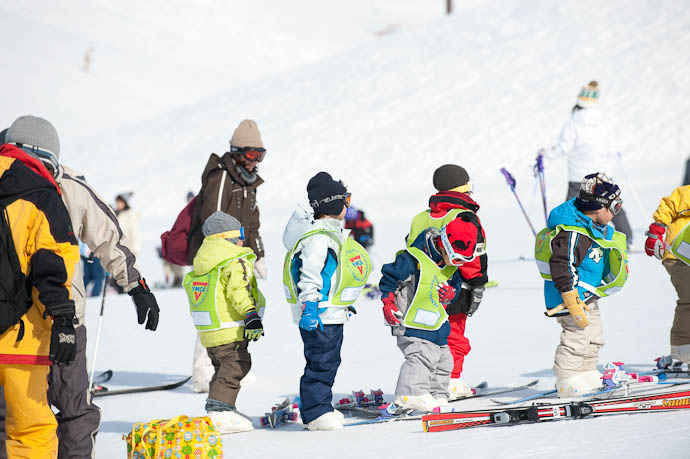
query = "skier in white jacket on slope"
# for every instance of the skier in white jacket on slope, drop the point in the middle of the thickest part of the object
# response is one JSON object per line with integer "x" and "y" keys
{"x": 587, "y": 141}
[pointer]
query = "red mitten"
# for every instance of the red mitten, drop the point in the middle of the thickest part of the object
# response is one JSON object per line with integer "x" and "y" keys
{"x": 446, "y": 293}
{"x": 654, "y": 245}
{"x": 390, "y": 311}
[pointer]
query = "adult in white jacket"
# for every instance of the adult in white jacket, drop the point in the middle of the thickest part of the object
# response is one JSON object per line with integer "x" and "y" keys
{"x": 95, "y": 224}
{"x": 587, "y": 140}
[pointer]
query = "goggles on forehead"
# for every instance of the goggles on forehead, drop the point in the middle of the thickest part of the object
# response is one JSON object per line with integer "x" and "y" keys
{"x": 345, "y": 197}
{"x": 232, "y": 234}
{"x": 250, "y": 153}
{"x": 458, "y": 259}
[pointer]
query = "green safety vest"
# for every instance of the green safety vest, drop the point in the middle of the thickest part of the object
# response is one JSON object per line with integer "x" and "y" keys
{"x": 680, "y": 246}
{"x": 208, "y": 304}
{"x": 617, "y": 258}
{"x": 423, "y": 221}
{"x": 425, "y": 311}
{"x": 354, "y": 268}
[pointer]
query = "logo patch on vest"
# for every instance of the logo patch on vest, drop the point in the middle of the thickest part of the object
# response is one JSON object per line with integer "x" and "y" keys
{"x": 199, "y": 290}
{"x": 357, "y": 265}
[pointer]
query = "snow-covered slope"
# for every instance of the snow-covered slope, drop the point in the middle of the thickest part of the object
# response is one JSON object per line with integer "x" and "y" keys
{"x": 484, "y": 88}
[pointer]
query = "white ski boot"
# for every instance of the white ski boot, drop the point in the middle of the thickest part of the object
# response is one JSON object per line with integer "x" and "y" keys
{"x": 457, "y": 388}
{"x": 416, "y": 402}
{"x": 576, "y": 386}
{"x": 327, "y": 421}
{"x": 228, "y": 422}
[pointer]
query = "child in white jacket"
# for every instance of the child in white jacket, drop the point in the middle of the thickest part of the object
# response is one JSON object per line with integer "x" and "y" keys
{"x": 321, "y": 299}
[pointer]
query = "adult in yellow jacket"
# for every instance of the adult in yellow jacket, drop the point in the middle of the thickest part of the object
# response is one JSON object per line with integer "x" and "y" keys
{"x": 226, "y": 308}
{"x": 47, "y": 253}
{"x": 668, "y": 238}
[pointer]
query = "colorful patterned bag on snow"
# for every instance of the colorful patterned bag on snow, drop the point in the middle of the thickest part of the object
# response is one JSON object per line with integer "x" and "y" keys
{"x": 181, "y": 437}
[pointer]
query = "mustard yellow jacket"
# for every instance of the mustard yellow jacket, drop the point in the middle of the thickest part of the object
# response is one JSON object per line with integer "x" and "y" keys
{"x": 46, "y": 248}
{"x": 674, "y": 212}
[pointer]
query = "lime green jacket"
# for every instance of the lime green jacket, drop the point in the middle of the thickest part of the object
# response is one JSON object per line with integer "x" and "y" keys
{"x": 236, "y": 293}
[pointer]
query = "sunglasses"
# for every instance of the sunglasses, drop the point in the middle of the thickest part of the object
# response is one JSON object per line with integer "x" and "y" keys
{"x": 250, "y": 153}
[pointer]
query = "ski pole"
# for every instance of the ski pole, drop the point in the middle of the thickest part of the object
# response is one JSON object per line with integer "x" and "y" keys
{"x": 645, "y": 216}
{"x": 539, "y": 172}
{"x": 98, "y": 332}
{"x": 511, "y": 184}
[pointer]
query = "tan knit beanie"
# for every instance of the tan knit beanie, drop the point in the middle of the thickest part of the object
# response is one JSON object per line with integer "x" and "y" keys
{"x": 247, "y": 135}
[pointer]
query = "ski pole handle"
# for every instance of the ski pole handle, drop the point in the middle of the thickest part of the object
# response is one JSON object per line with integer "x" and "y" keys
{"x": 539, "y": 166}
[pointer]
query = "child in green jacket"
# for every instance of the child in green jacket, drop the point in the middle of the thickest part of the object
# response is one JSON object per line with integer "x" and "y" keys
{"x": 226, "y": 308}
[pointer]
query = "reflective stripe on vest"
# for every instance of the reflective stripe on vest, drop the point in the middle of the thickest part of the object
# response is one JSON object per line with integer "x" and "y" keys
{"x": 615, "y": 252}
{"x": 423, "y": 221}
{"x": 354, "y": 268}
{"x": 207, "y": 300}
{"x": 425, "y": 311}
{"x": 681, "y": 245}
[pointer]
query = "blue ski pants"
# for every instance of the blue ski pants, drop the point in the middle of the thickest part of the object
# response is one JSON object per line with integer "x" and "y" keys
{"x": 322, "y": 353}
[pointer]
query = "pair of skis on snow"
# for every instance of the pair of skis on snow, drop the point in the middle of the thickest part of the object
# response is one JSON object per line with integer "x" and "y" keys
{"x": 667, "y": 401}
{"x": 387, "y": 412}
{"x": 98, "y": 390}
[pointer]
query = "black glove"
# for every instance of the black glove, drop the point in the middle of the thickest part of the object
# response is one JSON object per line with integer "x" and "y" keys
{"x": 145, "y": 303}
{"x": 253, "y": 328}
{"x": 461, "y": 303}
{"x": 63, "y": 340}
{"x": 477, "y": 295}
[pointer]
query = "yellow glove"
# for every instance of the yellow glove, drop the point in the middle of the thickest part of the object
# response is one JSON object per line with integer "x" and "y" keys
{"x": 576, "y": 307}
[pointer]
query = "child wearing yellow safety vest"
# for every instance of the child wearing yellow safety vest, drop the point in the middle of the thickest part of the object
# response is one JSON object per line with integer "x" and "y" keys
{"x": 323, "y": 274}
{"x": 226, "y": 308}
{"x": 581, "y": 259}
{"x": 672, "y": 220}
{"x": 416, "y": 289}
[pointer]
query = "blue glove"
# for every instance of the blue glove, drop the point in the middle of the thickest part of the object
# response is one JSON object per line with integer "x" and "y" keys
{"x": 310, "y": 316}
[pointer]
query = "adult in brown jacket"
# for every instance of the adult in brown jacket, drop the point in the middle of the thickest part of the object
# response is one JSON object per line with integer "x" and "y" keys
{"x": 228, "y": 184}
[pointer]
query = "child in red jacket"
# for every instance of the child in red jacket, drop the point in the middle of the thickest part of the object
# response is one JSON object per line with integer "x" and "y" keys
{"x": 453, "y": 201}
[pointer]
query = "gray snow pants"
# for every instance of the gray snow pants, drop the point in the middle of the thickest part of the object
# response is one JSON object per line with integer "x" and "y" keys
{"x": 620, "y": 221}
{"x": 426, "y": 369}
{"x": 579, "y": 348}
{"x": 68, "y": 391}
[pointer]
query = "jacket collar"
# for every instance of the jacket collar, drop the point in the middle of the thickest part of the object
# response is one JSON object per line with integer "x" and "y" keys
{"x": 443, "y": 201}
{"x": 31, "y": 162}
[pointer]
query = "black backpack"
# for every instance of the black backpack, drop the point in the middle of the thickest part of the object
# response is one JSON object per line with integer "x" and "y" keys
{"x": 15, "y": 299}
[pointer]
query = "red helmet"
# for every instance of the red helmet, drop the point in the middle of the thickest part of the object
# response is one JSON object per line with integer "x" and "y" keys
{"x": 459, "y": 239}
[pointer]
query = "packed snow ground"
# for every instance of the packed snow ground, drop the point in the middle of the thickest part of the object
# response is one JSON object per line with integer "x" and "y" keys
{"x": 484, "y": 88}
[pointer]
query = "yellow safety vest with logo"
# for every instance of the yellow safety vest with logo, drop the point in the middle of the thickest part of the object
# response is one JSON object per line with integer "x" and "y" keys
{"x": 209, "y": 306}
{"x": 354, "y": 268}
{"x": 680, "y": 246}
{"x": 425, "y": 311}
{"x": 616, "y": 250}
{"x": 423, "y": 221}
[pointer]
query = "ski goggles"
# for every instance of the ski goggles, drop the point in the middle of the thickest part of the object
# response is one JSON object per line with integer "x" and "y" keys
{"x": 458, "y": 259}
{"x": 612, "y": 202}
{"x": 250, "y": 153}
{"x": 40, "y": 153}
{"x": 345, "y": 197}
{"x": 466, "y": 188}
{"x": 232, "y": 234}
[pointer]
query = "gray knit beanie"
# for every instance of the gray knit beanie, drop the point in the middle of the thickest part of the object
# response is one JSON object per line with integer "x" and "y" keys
{"x": 2, "y": 136}
{"x": 36, "y": 132}
{"x": 220, "y": 222}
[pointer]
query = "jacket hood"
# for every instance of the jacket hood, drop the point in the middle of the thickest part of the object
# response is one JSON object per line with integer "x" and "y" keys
{"x": 302, "y": 221}
{"x": 588, "y": 116}
{"x": 214, "y": 251}
{"x": 567, "y": 214}
{"x": 443, "y": 201}
{"x": 31, "y": 162}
